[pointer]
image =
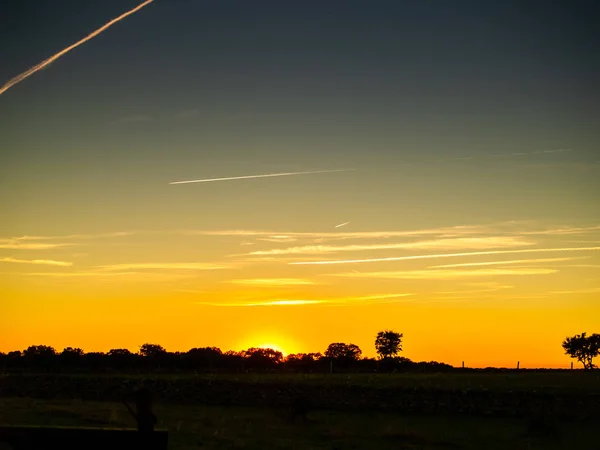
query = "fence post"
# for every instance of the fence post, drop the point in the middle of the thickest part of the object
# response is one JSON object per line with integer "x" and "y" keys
{"x": 463, "y": 364}
{"x": 571, "y": 365}
{"x": 518, "y": 364}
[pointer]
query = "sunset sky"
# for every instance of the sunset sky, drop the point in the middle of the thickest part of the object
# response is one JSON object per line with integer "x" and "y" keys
{"x": 457, "y": 199}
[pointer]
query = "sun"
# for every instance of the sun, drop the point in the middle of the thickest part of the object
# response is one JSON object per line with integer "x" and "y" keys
{"x": 274, "y": 347}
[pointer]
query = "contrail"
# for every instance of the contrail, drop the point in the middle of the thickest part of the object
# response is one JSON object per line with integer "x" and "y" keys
{"x": 50, "y": 60}
{"x": 260, "y": 176}
{"x": 444, "y": 255}
{"x": 342, "y": 225}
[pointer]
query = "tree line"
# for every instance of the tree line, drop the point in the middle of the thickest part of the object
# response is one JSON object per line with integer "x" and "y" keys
{"x": 338, "y": 357}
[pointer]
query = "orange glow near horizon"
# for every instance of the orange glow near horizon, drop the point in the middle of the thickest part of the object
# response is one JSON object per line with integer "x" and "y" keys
{"x": 467, "y": 312}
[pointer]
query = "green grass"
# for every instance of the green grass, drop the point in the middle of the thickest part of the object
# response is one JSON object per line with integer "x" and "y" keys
{"x": 203, "y": 427}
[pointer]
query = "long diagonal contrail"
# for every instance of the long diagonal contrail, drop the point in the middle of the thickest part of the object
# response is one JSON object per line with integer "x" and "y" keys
{"x": 260, "y": 176}
{"x": 53, "y": 58}
{"x": 444, "y": 255}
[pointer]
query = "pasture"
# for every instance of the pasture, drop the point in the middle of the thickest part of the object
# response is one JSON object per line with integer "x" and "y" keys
{"x": 344, "y": 417}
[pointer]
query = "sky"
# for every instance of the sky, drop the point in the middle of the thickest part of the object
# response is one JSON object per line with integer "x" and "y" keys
{"x": 455, "y": 194}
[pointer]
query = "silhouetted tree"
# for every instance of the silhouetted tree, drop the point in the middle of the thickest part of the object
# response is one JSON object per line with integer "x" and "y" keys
{"x": 339, "y": 350}
{"x": 13, "y": 359}
{"x": 39, "y": 356}
{"x": 95, "y": 360}
{"x": 302, "y": 357}
{"x": 152, "y": 350}
{"x": 203, "y": 358}
{"x": 583, "y": 348}
{"x": 261, "y": 358}
{"x": 37, "y": 351}
{"x": 388, "y": 343}
{"x": 71, "y": 357}
{"x": 121, "y": 358}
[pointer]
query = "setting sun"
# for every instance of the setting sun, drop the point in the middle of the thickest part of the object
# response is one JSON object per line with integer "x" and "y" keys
{"x": 273, "y": 347}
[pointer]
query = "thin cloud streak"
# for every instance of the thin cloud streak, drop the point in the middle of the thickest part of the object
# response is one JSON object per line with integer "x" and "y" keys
{"x": 15, "y": 245}
{"x": 79, "y": 274}
{"x": 438, "y": 244}
{"x": 146, "y": 277}
{"x": 169, "y": 266}
{"x": 564, "y": 231}
{"x": 274, "y": 282}
{"x": 53, "y": 58}
{"x": 297, "y": 302}
{"x": 514, "y": 261}
{"x": 444, "y": 255}
{"x": 342, "y": 225}
{"x": 286, "y": 174}
{"x": 446, "y": 274}
{"x": 457, "y": 230}
{"x": 74, "y": 236}
{"x": 577, "y": 291}
{"x": 47, "y": 262}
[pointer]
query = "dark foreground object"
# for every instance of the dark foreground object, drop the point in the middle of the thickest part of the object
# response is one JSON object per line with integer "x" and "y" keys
{"x": 72, "y": 438}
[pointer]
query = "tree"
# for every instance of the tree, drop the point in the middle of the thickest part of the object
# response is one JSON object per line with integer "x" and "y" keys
{"x": 39, "y": 356}
{"x": 203, "y": 358}
{"x": 583, "y": 348}
{"x": 152, "y": 350}
{"x": 119, "y": 353}
{"x": 39, "y": 351}
{"x": 262, "y": 358}
{"x": 339, "y": 350}
{"x": 72, "y": 352}
{"x": 388, "y": 343}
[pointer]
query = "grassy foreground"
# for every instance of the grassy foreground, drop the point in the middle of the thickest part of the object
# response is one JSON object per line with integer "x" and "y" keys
{"x": 204, "y": 427}
{"x": 575, "y": 381}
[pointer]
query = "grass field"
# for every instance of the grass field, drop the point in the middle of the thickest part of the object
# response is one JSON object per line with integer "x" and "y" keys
{"x": 219, "y": 427}
{"x": 576, "y": 381}
{"x": 252, "y": 428}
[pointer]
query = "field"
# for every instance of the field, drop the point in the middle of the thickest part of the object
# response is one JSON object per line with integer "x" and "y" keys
{"x": 342, "y": 418}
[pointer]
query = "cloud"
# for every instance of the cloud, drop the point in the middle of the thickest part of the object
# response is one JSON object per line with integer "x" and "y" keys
{"x": 269, "y": 175}
{"x": 54, "y": 57}
{"x": 274, "y": 282}
{"x": 168, "y": 266}
{"x": 277, "y": 239}
{"x": 74, "y": 236}
{"x": 459, "y": 230}
{"x": 440, "y": 244}
{"x": 577, "y": 291}
{"x": 481, "y": 288}
{"x": 79, "y": 274}
{"x": 386, "y": 298}
{"x": 40, "y": 242}
{"x": 446, "y": 274}
{"x": 48, "y": 262}
{"x": 133, "y": 276}
{"x": 514, "y": 261}
{"x": 265, "y": 303}
{"x": 444, "y": 255}
{"x": 565, "y": 230}
{"x": 20, "y": 245}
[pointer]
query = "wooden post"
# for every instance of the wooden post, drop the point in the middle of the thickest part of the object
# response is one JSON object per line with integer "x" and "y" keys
{"x": 463, "y": 364}
{"x": 518, "y": 364}
{"x": 571, "y": 365}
